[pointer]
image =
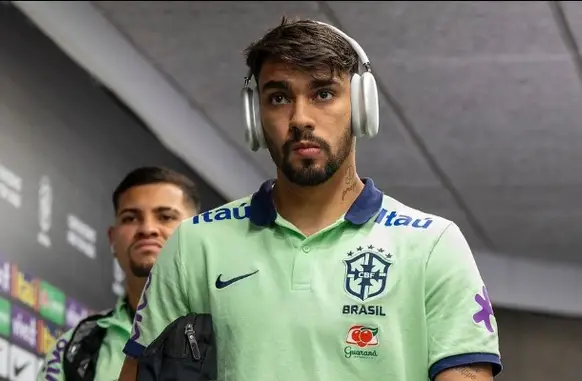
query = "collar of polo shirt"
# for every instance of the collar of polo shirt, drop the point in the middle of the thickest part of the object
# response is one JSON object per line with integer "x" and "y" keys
{"x": 366, "y": 205}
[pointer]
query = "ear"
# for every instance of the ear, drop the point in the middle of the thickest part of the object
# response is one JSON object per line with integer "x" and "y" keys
{"x": 111, "y": 236}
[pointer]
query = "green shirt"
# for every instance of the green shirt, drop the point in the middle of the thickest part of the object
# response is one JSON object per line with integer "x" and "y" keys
{"x": 118, "y": 326}
{"x": 387, "y": 292}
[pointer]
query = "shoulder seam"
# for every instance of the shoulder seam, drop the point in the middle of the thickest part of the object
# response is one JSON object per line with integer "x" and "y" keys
{"x": 437, "y": 240}
{"x": 181, "y": 263}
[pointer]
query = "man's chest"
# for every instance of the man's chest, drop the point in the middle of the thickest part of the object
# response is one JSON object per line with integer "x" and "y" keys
{"x": 321, "y": 289}
{"x": 111, "y": 356}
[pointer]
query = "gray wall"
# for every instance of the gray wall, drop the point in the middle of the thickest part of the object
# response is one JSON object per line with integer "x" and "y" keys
{"x": 536, "y": 347}
{"x": 56, "y": 123}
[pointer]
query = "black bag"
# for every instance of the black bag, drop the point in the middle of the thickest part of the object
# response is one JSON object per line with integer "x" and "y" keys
{"x": 82, "y": 351}
{"x": 184, "y": 351}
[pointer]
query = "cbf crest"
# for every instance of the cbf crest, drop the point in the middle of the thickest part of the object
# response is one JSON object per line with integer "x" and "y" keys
{"x": 366, "y": 273}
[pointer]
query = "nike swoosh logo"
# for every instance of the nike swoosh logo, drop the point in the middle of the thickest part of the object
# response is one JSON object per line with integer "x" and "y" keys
{"x": 222, "y": 284}
{"x": 19, "y": 369}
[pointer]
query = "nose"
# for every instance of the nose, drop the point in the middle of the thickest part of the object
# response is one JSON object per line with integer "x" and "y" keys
{"x": 301, "y": 115}
{"x": 148, "y": 228}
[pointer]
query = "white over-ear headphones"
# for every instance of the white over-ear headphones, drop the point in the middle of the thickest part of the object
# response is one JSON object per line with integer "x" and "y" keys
{"x": 364, "y": 98}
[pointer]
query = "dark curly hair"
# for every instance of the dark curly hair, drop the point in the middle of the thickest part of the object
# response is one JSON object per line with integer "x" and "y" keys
{"x": 304, "y": 44}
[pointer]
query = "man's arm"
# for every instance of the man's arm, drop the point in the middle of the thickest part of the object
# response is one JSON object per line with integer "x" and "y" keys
{"x": 462, "y": 330}
{"x": 475, "y": 372}
{"x": 52, "y": 369}
{"x": 128, "y": 370}
{"x": 168, "y": 294}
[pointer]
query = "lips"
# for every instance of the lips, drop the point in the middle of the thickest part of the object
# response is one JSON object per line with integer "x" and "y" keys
{"x": 147, "y": 243}
{"x": 306, "y": 150}
{"x": 304, "y": 146}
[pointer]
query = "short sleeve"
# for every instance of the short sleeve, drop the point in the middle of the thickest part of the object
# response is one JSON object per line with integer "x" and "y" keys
{"x": 462, "y": 329}
{"x": 52, "y": 367}
{"x": 164, "y": 298}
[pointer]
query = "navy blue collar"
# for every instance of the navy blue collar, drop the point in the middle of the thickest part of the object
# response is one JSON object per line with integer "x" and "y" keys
{"x": 366, "y": 206}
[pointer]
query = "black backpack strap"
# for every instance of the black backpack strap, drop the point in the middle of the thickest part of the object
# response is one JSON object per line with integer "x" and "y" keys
{"x": 82, "y": 351}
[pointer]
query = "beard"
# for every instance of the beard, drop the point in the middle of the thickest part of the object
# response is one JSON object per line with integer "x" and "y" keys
{"x": 308, "y": 173}
{"x": 140, "y": 270}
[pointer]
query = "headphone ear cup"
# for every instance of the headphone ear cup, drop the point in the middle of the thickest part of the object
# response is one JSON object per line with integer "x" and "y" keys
{"x": 356, "y": 100}
{"x": 371, "y": 108}
{"x": 258, "y": 126}
{"x": 250, "y": 119}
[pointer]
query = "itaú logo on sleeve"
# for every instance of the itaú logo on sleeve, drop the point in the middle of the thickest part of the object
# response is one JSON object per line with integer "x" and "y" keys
{"x": 395, "y": 219}
{"x": 240, "y": 213}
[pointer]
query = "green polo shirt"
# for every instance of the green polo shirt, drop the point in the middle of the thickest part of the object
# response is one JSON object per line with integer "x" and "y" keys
{"x": 387, "y": 292}
{"x": 118, "y": 326}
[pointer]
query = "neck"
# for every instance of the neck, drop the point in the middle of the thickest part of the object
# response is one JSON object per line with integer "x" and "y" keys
{"x": 313, "y": 208}
{"x": 133, "y": 289}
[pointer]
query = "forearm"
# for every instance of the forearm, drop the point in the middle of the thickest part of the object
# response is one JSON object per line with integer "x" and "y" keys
{"x": 476, "y": 372}
{"x": 128, "y": 370}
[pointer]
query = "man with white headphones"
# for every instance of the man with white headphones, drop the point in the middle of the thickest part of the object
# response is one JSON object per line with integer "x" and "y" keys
{"x": 319, "y": 275}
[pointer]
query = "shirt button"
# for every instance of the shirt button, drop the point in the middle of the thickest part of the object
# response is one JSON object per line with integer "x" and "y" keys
{"x": 306, "y": 249}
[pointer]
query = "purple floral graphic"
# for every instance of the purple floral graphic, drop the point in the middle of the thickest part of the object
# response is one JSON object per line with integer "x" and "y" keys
{"x": 486, "y": 312}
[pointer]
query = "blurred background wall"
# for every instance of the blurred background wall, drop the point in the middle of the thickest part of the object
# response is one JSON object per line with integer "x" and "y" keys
{"x": 65, "y": 144}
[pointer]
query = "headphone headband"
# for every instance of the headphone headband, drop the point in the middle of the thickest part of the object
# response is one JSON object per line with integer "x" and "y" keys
{"x": 364, "y": 61}
{"x": 359, "y": 50}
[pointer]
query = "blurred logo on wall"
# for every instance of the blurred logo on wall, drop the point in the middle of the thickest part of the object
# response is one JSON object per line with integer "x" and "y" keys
{"x": 4, "y": 359}
{"x": 10, "y": 187}
{"x": 5, "y": 277}
{"x": 23, "y": 364}
{"x": 47, "y": 336}
{"x": 75, "y": 312}
{"x": 24, "y": 287}
{"x": 24, "y": 329}
{"x": 81, "y": 236}
{"x": 45, "y": 205}
{"x": 5, "y": 317}
{"x": 51, "y": 303}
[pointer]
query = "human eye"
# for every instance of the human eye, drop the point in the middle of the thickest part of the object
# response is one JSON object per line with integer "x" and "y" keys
{"x": 167, "y": 217}
{"x": 127, "y": 219}
{"x": 324, "y": 95}
{"x": 278, "y": 99}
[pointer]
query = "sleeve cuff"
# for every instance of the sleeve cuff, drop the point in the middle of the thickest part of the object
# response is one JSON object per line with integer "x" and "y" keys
{"x": 133, "y": 349}
{"x": 466, "y": 359}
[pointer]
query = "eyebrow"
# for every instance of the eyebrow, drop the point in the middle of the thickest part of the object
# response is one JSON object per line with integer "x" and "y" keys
{"x": 317, "y": 83}
{"x": 276, "y": 85}
{"x": 159, "y": 209}
{"x": 314, "y": 84}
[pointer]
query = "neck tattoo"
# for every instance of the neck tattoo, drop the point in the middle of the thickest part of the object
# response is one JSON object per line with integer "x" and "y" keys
{"x": 349, "y": 181}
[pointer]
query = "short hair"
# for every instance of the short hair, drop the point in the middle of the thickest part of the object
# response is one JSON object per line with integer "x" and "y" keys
{"x": 305, "y": 44}
{"x": 157, "y": 175}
